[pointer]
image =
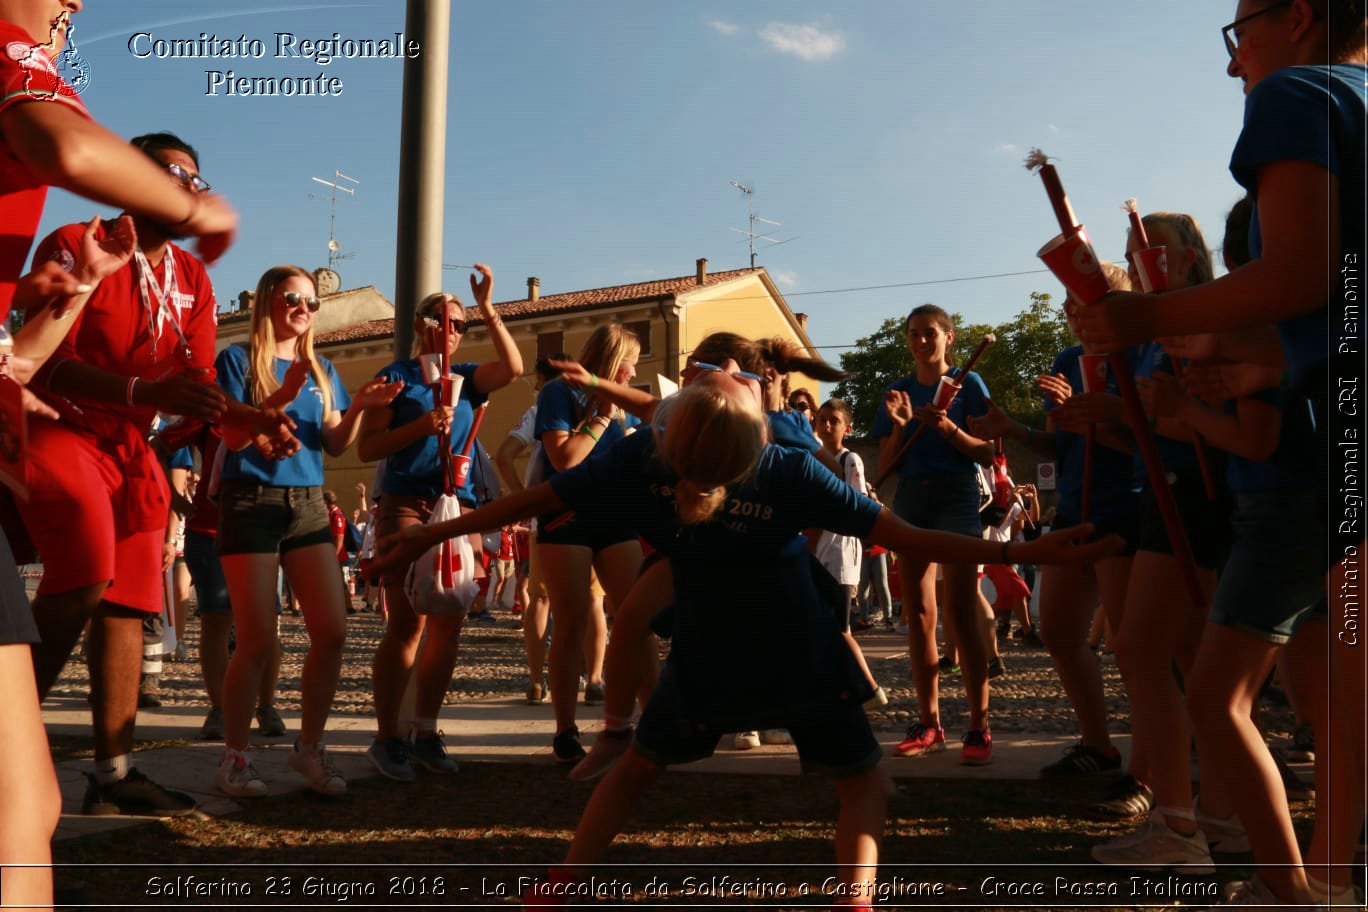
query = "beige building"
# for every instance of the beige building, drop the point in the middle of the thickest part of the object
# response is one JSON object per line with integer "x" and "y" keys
{"x": 355, "y": 330}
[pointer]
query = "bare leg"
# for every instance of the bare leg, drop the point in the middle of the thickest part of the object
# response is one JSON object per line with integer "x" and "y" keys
{"x": 252, "y": 593}
{"x": 213, "y": 654}
{"x": 60, "y": 619}
{"x": 1068, "y": 595}
{"x": 535, "y": 614}
{"x": 566, "y": 571}
{"x": 314, "y": 574}
{"x": 436, "y": 663}
{"x": 966, "y": 613}
{"x": 32, "y": 801}
{"x": 919, "y": 604}
{"x": 595, "y": 640}
{"x": 394, "y": 661}
{"x": 116, "y": 649}
{"x": 611, "y": 806}
{"x": 859, "y": 830}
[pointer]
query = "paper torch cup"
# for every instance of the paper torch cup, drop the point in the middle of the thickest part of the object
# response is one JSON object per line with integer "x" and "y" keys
{"x": 432, "y": 366}
{"x": 462, "y": 466}
{"x": 451, "y": 389}
{"x": 1151, "y": 264}
{"x": 1070, "y": 257}
{"x": 946, "y": 391}
{"x": 1094, "y": 368}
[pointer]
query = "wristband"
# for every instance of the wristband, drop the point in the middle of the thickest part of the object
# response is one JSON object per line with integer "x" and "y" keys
{"x": 584, "y": 429}
{"x": 128, "y": 392}
{"x": 593, "y": 381}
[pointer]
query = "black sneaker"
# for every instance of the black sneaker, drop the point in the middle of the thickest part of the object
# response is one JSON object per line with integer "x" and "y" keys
{"x": 1128, "y": 797}
{"x": 566, "y": 746}
{"x": 1303, "y": 747}
{"x": 134, "y": 795}
{"x": 948, "y": 666}
{"x": 1032, "y": 639}
{"x": 1081, "y": 760}
{"x": 996, "y": 667}
{"x": 149, "y": 692}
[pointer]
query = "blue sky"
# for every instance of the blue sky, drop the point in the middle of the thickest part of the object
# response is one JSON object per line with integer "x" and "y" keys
{"x": 592, "y": 143}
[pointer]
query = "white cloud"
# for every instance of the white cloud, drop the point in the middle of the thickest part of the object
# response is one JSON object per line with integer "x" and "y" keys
{"x": 728, "y": 29}
{"x": 1052, "y": 128}
{"x": 1010, "y": 148}
{"x": 789, "y": 279}
{"x": 807, "y": 42}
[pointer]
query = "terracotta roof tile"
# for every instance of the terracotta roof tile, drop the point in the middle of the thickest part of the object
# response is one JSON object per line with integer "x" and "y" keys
{"x": 554, "y": 303}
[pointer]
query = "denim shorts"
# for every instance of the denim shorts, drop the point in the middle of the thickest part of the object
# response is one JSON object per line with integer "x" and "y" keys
{"x": 1128, "y": 527}
{"x": 206, "y": 574}
{"x": 264, "y": 519}
{"x": 569, "y": 528}
{"x": 1276, "y": 571}
{"x": 946, "y": 503}
{"x": 1207, "y": 521}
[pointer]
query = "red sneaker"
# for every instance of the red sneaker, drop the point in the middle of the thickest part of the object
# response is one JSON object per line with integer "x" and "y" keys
{"x": 921, "y": 740}
{"x": 978, "y": 748}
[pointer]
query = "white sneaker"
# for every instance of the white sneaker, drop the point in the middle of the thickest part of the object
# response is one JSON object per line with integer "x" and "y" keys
{"x": 1332, "y": 897}
{"x": 237, "y": 778}
{"x": 775, "y": 736}
{"x": 744, "y": 741}
{"x": 1256, "y": 893}
{"x": 1226, "y": 836}
{"x": 315, "y": 766}
{"x": 1155, "y": 847}
{"x": 880, "y": 698}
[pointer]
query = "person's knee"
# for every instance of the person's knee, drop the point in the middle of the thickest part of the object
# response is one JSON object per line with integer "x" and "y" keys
{"x": 328, "y": 639}
{"x": 31, "y": 813}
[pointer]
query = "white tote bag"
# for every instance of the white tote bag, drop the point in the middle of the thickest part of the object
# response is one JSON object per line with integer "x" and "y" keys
{"x": 442, "y": 581}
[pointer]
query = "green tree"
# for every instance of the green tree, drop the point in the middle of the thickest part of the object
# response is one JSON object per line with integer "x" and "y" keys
{"x": 1026, "y": 346}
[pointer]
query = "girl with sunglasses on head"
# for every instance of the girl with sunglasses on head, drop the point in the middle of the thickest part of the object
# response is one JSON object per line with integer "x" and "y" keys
{"x": 272, "y": 517}
{"x": 405, "y": 435}
{"x": 706, "y": 489}
{"x": 938, "y": 489}
{"x": 571, "y": 424}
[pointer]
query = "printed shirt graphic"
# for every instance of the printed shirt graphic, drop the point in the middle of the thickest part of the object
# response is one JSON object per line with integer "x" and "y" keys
{"x": 27, "y": 75}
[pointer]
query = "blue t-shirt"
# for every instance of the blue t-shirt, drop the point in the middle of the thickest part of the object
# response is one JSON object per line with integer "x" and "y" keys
{"x": 305, "y": 468}
{"x": 561, "y": 407}
{"x": 767, "y": 627}
{"x": 1115, "y": 491}
{"x": 1313, "y": 114}
{"x": 1176, "y": 455}
{"x": 932, "y": 454}
{"x": 792, "y": 429}
{"x": 1293, "y": 465}
{"x": 415, "y": 471}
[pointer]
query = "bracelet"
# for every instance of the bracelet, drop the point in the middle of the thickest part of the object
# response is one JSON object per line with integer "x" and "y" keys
{"x": 1004, "y": 553}
{"x": 593, "y": 381}
{"x": 584, "y": 429}
{"x": 194, "y": 210}
{"x": 128, "y": 392}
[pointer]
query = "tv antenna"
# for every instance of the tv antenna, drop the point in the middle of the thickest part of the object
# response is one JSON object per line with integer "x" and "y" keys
{"x": 334, "y": 248}
{"x": 751, "y": 234}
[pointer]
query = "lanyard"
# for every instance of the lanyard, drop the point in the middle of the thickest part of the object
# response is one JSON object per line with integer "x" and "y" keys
{"x": 163, "y": 313}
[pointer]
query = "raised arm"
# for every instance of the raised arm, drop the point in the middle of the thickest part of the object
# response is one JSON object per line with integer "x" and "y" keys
{"x": 493, "y": 375}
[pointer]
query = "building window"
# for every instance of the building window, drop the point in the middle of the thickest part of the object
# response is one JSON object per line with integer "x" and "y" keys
{"x": 548, "y": 344}
{"x": 642, "y": 328}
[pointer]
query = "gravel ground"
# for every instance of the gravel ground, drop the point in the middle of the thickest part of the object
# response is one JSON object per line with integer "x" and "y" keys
{"x": 1027, "y": 698}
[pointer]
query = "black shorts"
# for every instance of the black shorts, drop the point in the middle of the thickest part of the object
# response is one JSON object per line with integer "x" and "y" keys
{"x": 16, "y": 618}
{"x": 1128, "y": 527}
{"x": 263, "y": 519}
{"x": 833, "y": 738}
{"x": 569, "y": 528}
{"x": 1207, "y": 521}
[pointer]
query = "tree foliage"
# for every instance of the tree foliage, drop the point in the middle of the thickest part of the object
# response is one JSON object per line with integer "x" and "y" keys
{"x": 1026, "y": 346}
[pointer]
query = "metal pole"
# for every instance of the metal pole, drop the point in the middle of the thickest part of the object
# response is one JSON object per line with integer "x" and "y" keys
{"x": 422, "y": 166}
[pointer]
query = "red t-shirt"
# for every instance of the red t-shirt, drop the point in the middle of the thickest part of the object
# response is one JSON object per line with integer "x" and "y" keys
{"x": 338, "y": 521}
{"x": 26, "y": 75}
{"x": 505, "y": 545}
{"x": 113, "y": 331}
{"x": 522, "y": 545}
{"x": 204, "y": 517}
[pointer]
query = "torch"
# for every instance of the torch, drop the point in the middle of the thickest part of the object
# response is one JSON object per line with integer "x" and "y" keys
{"x": 945, "y": 394}
{"x": 1070, "y": 257}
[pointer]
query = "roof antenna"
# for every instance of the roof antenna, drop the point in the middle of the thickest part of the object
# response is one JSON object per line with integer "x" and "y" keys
{"x": 752, "y": 218}
{"x": 334, "y": 248}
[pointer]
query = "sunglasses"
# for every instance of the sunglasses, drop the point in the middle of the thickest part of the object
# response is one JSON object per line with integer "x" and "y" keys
{"x": 800, "y": 406}
{"x": 457, "y": 324}
{"x": 294, "y": 299}
{"x": 188, "y": 180}
{"x": 1232, "y": 39}
{"x": 744, "y": 375}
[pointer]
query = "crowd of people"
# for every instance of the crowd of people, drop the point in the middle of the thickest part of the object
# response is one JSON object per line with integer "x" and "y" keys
{"x": 633, "y": 506}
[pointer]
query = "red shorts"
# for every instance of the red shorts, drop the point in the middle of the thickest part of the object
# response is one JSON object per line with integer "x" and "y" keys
{"x": 1007, "y": 582}
{"x": 96, "y": 513}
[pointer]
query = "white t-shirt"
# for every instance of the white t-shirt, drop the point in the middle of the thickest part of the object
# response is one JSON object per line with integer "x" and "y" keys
{"x": 1003, "y": 532}
{"x": 841, "y": 554}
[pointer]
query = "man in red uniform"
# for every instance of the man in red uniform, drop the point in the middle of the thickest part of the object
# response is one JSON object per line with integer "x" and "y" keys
{"x": 337, "y": 522}
{"x": 97, "y": 512}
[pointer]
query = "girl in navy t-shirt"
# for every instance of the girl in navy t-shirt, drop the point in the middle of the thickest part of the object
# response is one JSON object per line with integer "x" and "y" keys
{"x": 404, "y": 435}
{"x": 272, "y": 517}
{"x": 707, "y": 490}
{"x": 938, "y": 489}
{"x": 572, "y": 424}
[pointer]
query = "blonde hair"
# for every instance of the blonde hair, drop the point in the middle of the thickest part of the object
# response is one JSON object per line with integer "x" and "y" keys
{"x": 605, "y": 351}
{"x": 431, "y": 306}
{"x": 1117, "y": 278}
{"x": 710, "y": 439}
{"x": 262, "y": 380}
{"x": 1184, "y": 231}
